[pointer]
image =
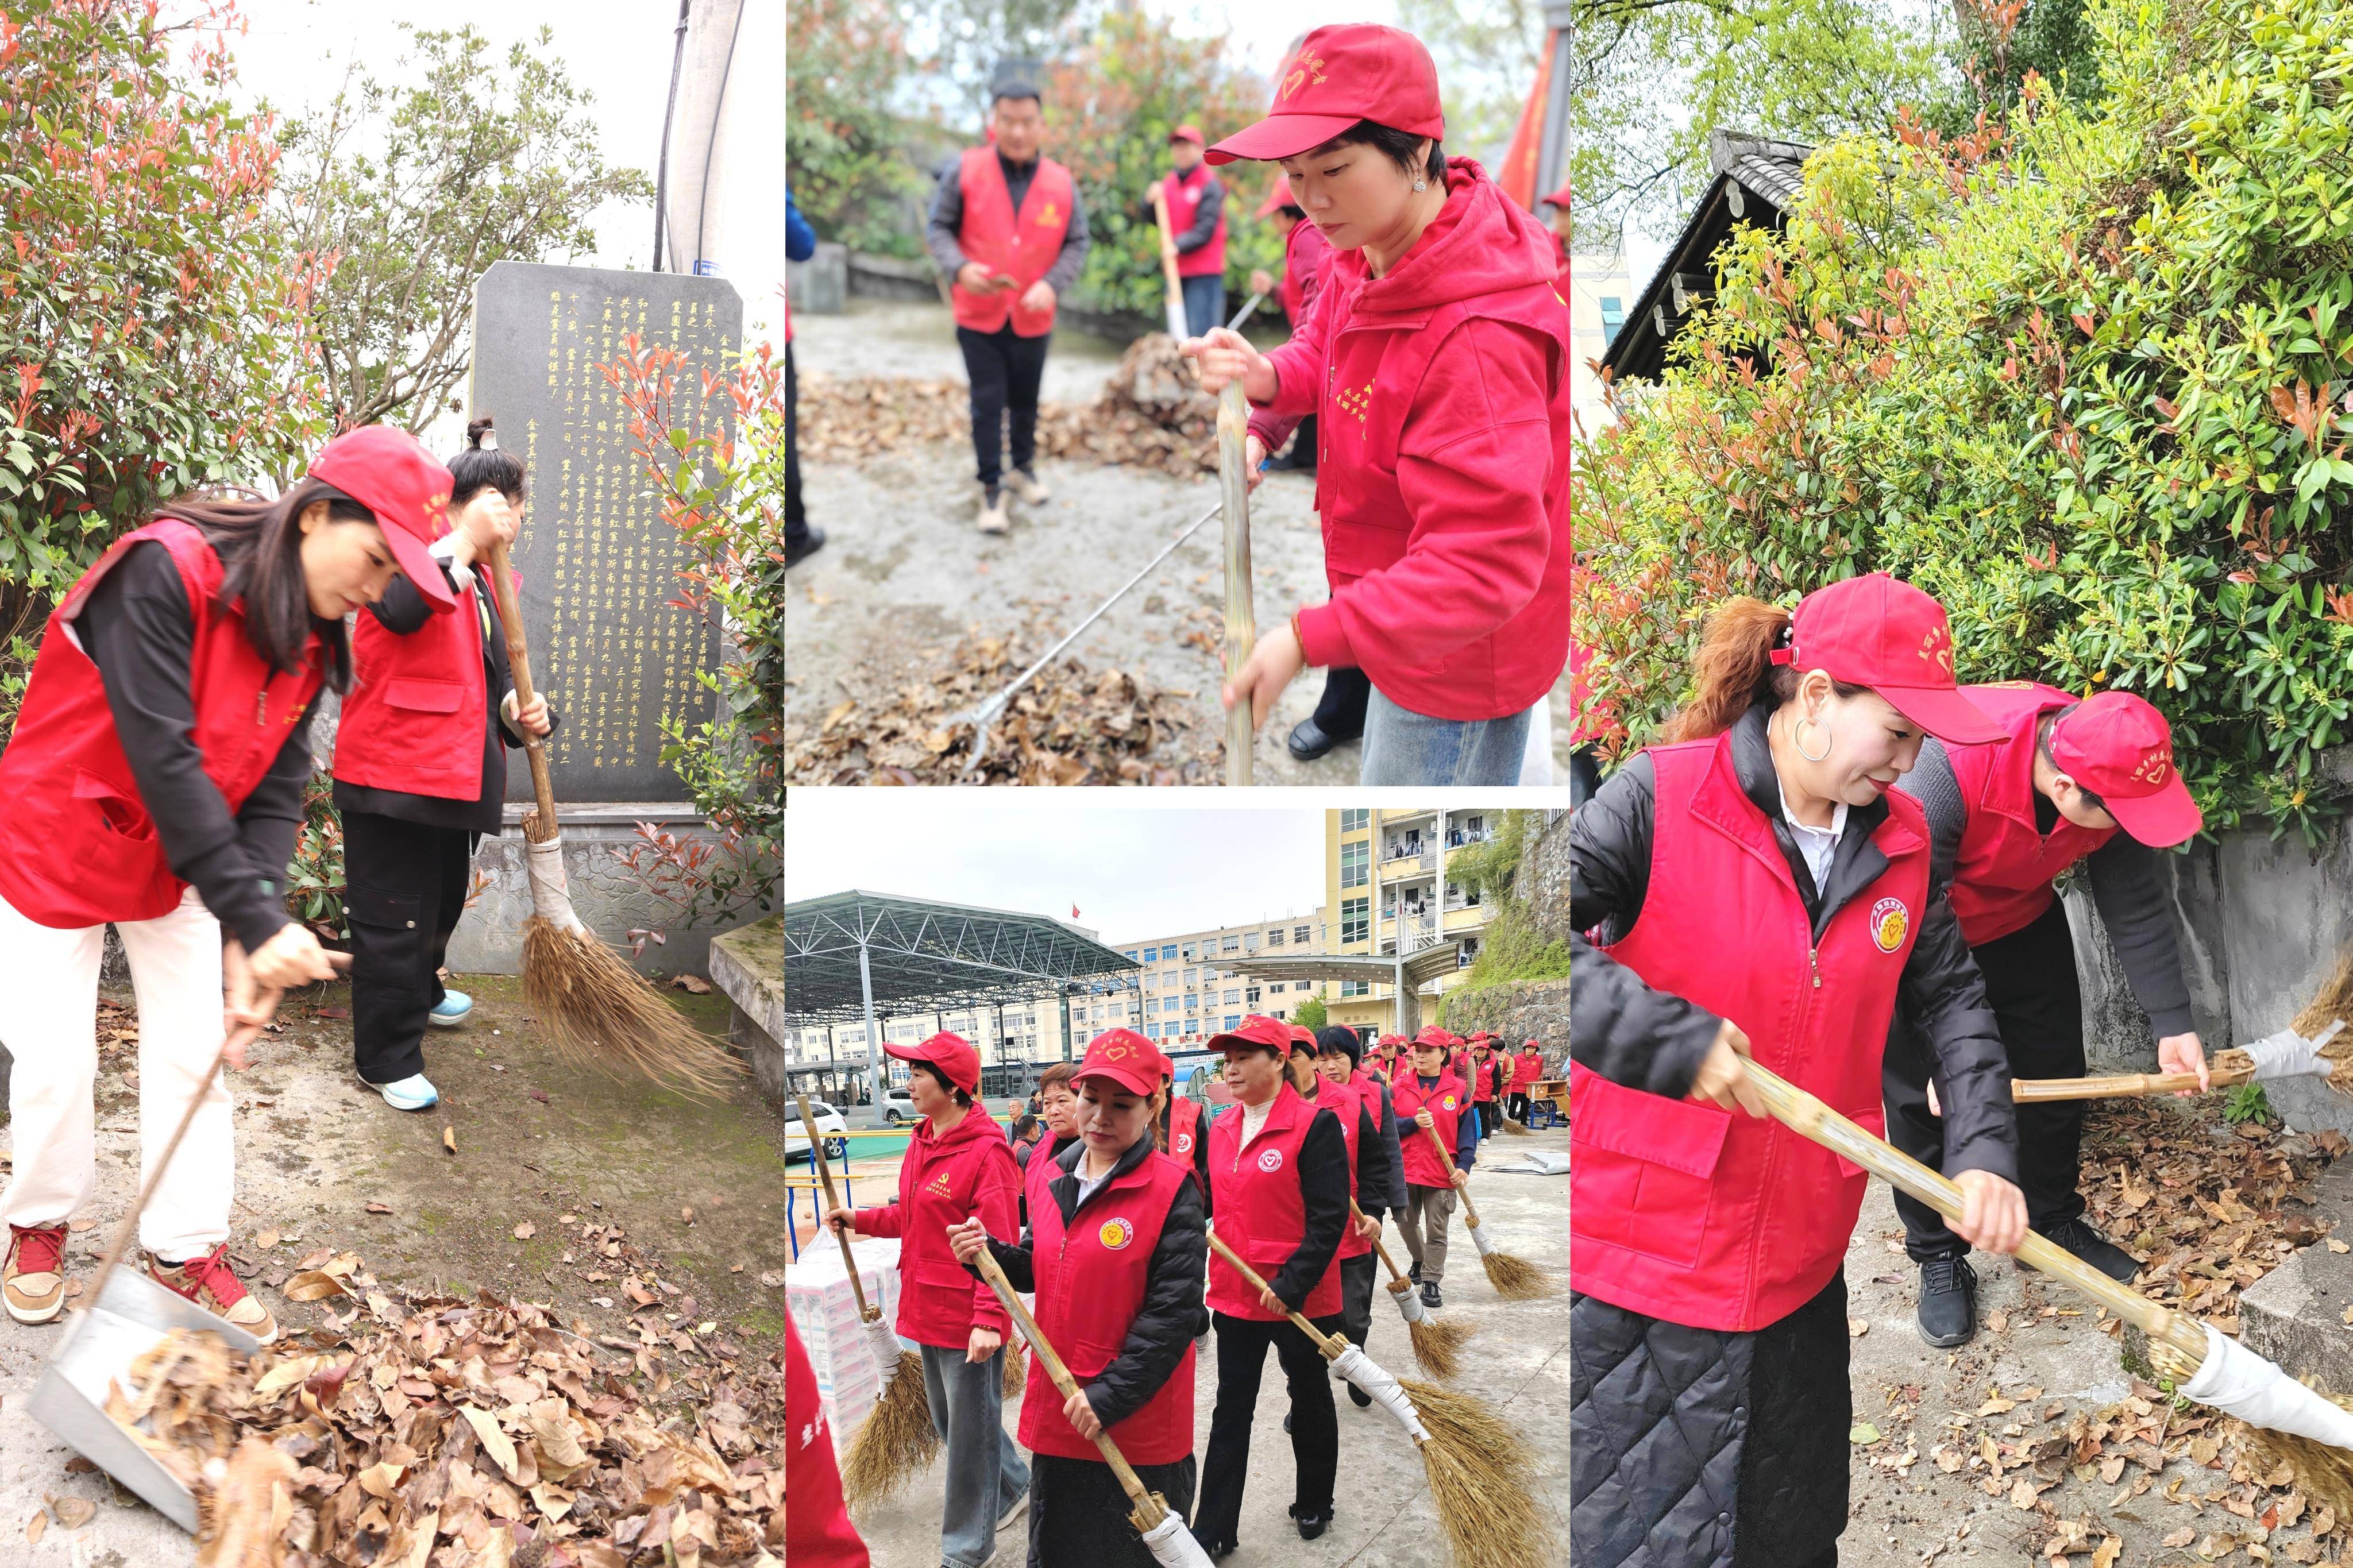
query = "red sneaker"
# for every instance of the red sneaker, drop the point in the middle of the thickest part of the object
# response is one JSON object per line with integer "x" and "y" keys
{"x": 33, "y": 1284}
{"x": 208, "y": 1282}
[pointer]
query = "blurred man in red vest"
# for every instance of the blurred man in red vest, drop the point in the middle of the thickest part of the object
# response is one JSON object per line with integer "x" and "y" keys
{"x": 1009, "y": 233}
{"x": 1197, "y": 221}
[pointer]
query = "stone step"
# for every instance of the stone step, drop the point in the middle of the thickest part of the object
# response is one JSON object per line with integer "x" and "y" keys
{"x": 2296, "y": 1314}
{"x": 748, "y": 967}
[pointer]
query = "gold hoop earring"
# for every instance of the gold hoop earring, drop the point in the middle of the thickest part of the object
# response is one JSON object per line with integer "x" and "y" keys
{"x": 1798, "y": 729}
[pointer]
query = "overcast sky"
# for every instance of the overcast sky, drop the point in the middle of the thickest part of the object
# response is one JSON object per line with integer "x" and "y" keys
{"x": 1134, "y": 872}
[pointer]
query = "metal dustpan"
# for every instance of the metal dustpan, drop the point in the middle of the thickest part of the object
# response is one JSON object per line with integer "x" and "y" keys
{"x": 131, "y": 1316}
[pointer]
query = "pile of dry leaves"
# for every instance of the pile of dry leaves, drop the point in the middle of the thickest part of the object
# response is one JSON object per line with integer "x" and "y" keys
{"x": 2208, "y": 1210}
{"x": 1070, "y": 725}
{"x": 458, "y": 1434}
{"x": 1152, "y": 413}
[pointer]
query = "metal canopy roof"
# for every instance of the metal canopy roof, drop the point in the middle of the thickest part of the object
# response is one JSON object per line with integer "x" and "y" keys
{"x": 1420, "y": 968}
{"x": 926, "y": 957}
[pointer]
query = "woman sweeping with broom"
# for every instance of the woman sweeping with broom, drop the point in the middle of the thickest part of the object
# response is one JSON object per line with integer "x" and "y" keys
{"x": 421, "y": 774}
{"x": 1117, "y": 1252}
{"x": 1756, "y": 884}
{"x": 155, "y": 782}
{"x": 957, "y": 1168}
{"x": 1431, "y": 1101}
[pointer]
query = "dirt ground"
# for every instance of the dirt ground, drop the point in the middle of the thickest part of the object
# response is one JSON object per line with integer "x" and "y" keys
{"x": 538, "y": 1143}
{"x": 1518, "y": 1361}
{"x": 904, "y": 575}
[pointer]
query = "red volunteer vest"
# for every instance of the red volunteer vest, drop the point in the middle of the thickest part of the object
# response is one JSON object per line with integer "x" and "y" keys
{"x": 1090, "y": 1280}
{"x": 2001, "y": 880}
{"x": 1445, "y": 1103}
{"x": 1303, "y": 253}
{"x": 1530, "y": 1069}
{"x": 1021, "y": 245}
{"x": 1367, "y": 1083}
{"x": 77, "y": 845}
{"x": 1342, "y": 1101}
{"x": 1185, "y": 192}
{"x": 1696, "y": 1214}
{"x": 1260, "y": 1214}
{"x": 413, "y": 719}
{"x": 1485, "y": 1090}
{"x": 1184, "y": 1127}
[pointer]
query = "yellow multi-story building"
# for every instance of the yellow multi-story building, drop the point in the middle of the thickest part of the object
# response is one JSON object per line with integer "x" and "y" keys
{"x": 1600, "y": 294}
{"x": 1386, "y": 882}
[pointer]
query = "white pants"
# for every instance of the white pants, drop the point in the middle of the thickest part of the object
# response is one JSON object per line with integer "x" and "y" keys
{"x": 49, "y": 1024}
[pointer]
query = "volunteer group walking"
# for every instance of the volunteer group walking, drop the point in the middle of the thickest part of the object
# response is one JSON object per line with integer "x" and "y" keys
{"x": 1105, "y": 1218}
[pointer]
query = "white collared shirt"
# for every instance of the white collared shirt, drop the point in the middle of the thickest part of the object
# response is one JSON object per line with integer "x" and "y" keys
{"x": 1818, "y": 844}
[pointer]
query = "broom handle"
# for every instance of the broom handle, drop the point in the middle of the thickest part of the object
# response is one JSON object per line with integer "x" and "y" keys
{"x": 825, "y": 1174}
{"x": 1148, "y": 1509}
{"x": 1395, "y": 1272}
{"x": 1807, "y": 1117}
{"x": 1176, "y": 297}
{"x": 2119, "y": 1086}
{"x": 1469, "y": 1210}
{"x": 1330, "y": 1347}
{"x": 1241, "y": 613}
{"x": 519, "y": 659}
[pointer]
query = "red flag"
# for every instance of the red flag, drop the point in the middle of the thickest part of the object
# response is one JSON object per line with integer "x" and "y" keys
{"x": 1074, "y": 911}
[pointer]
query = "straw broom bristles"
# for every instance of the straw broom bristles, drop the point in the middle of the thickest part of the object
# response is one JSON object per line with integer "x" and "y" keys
{"x": 2333, "y": 1001}
{"x": 1016, "y": 1375}
{"x": 895, "y": 1442}
{"x": 1514, "y": 1277}
{"x": 1481, "y": 1480}
{"x": 1437, "y": 1345}
{"x": 602, "y": 1014}
{"x": 1518, "y": 1128}
{"x": 2322, "y": 1470}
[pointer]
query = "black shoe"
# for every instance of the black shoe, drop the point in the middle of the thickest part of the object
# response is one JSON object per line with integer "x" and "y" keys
{"x": 1414, "y": 1273}
{"x": 1308, "y": 739}
{"x": 1429, "y": 1296}
{"x": 799, "y": 550}
{"x": 1948, "y": 1302}
{"x": 1286, "y": 1423}
{"x": 1311, "y": 1525}
{"x": 1218, "y": 1553}
{"x": 2094, "y": 1248}
{"x": 1359, "y": 1395}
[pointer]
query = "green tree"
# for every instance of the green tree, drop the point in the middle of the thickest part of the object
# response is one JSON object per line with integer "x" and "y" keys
{"x": 848, "y": 60}
{"x": 1487, "y": 56}
{"x": 417, "y": 187}
{"x": 966, "y": 39}
{"x": 1309, "y": 1014}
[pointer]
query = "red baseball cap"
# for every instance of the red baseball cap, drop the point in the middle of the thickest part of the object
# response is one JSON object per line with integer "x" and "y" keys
{"x": 951, "y": 1054}
{"x": 1559, "y": 198}
{"x": 1390, "y": 1040}
{"x": 1341, "y": 75}
{"x": 1256, "y": 1030}
{"x": 1186, "y": 133}
{"x": 1887, "y": 634}
{"x": 1278, "y": 198}
{"x": 1434, "y": 1036}
{"x": 1126, "y": 1058}
{"x": 1303, "y": 1038}
{"x": 388, "y": 470}
{"x": 2120, "y": 748}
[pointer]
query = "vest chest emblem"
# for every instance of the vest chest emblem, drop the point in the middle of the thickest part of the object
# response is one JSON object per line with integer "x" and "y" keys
{"x": 1115, "y": 1234}
{"x": 1890, "y": 920}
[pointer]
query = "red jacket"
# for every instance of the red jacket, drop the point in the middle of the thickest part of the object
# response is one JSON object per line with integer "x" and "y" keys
{"x": 945, "y": 1180}
{"x": 1184, "y": 194}
{"x": 413, "y": 719}
{"x": 818, "y": 1531}
{"x": 1366, "y": 1081}
{"x": 1261, "y": 1212}
{"x": 1445, "y": 1103}
{"x": 1022, "y": 246}
{"x": 1692, "y": 1214}
{"x": 2001, "y": 878}
{"x": 1527, "y": 1067}
{"x": 1344, "y": 1100}
{"x": 1483, "y": 1080}
{"x": 74, "y": 808}
{"x": 1184, "y": 1126}
{"x": 1442, "y": 396}
{"x": 1304, "y": 255}
{"x": 1090, "y": 1280}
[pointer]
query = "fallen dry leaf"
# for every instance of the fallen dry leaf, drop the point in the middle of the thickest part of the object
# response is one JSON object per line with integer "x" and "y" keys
{"x": 450, "y": 1139}
{"x": 37, "y": 1526}
{"x": 692, "y": 984}
{"x": 379, "y": 1208}
{"x": 315, "y": 1285}
{"x": 73, "y": 1512}
{"x": 525, "y": 1231}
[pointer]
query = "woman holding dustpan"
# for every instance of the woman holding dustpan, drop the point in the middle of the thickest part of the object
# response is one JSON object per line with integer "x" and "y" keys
{"x": 154, "y": 783}
{"x": 1756, "y": 886}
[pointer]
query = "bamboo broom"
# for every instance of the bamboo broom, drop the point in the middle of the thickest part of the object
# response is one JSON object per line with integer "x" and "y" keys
{"x": 1515, "y": 1277}
{"x": 1436, "y": 1345}
{"x": 2311, "y": 1430}
{"x": 599, "y": 1011}
{"x": 2318, "y": 1043}
{"x": 1241, "y": 620}
{"x": 1168, "y": 263}
{"x": 1481, "y": 1479}
{"x": 1016, "y": 1375}
{"x": 1163, "y": 1529}
{"x": 897, "y": 1438}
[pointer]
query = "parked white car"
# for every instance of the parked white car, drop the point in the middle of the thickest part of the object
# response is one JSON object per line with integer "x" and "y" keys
{"x": 897, "y": 1108}
{"x": 829, "y": 1127}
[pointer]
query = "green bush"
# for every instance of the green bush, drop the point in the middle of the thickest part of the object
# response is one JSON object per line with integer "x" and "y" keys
{"x": 1310, "y": 1014}
{"x": 2084, "y": 377}
{"x": 842, "y": 139}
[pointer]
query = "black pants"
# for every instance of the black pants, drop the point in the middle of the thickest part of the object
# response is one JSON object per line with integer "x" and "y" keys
{"x": 1340, "y": 712}
{"x": 1077, "y": 1515}
{"x": 1518, "y": 1106}
{"x": 796, "y": 520}
{"x": 1314, "y": 1426}
{"x": 407, "y": 887}
{"x": 1004, "y": 370}
{"x": 2030, "y": 979}
{"x": 1356, "y": 1296}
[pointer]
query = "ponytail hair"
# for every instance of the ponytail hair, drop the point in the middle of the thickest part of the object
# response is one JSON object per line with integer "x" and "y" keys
{"x": 1734, "y": 671}
{"x": 483, "y": 466}
{"x": 259, "y": 544}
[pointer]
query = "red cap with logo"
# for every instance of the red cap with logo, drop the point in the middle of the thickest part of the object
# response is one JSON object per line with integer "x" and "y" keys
{"x": 951, "y": 1054}
{"x": 1302, "y": 1038}
{"x": 1125, "y": 1057}
{"x": 1341, "y": 75}
{"x": 1434, "y": 1036}
{"x": 1256, "y": 1030}
{"x": 388, "y": 470}
{"x": 1278, "y": 198}
{"x": 1390, "y": 1040}
{"x": 1186, "y": 133}
{"x": 1887, "y": 634}
{"x": 2121, "y": 749}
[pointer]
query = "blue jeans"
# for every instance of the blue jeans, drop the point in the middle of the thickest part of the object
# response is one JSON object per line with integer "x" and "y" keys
{"x": 1205, "y": 303}
{"x": 985, "y": 1472}
{"x": 1402, "y": 747}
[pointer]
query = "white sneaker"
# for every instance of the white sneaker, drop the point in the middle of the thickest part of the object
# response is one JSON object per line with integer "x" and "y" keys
{"x": 1026, "y": 488}
{"x": 992, "y": 512}
{"x": 415, "y": 1093}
